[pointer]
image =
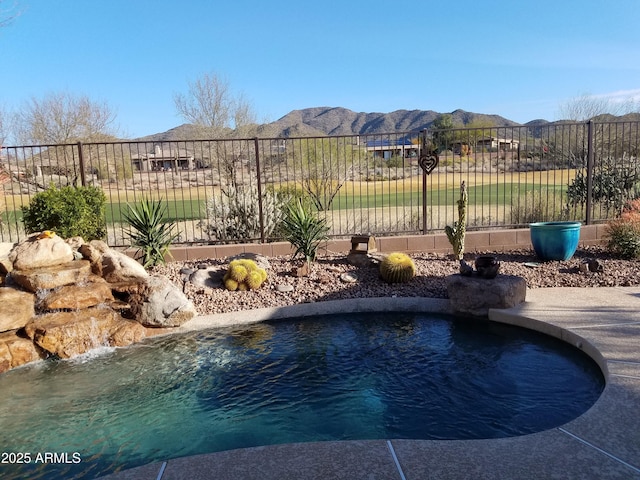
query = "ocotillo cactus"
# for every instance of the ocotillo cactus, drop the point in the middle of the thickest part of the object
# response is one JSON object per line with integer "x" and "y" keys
{"x": 456, "y": 233}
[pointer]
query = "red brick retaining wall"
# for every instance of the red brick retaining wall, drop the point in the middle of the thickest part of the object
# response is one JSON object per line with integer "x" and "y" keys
{"x": 486, "y": 240}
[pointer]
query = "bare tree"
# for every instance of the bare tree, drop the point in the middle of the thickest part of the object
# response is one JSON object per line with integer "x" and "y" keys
{"x": 211, "y": 105}
{"x": 61, "y": 118}
{"x": 4, "y": 120}
{"x": 586, "y": 107}
{"x": 56, "y": 122}
{"x": 325, "y": 165}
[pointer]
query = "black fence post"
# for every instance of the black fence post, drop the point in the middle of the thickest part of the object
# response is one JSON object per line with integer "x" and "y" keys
{"x": 590, "y": 161}
{"x": 83, "y": 180}
{"x": 260, "y": 212}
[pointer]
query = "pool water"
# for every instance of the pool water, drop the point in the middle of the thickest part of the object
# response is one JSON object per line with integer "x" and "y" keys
{"x": 338, "y": 377}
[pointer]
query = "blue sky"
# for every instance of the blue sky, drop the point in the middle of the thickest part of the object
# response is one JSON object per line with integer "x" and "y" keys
{"x": 518, "y": 59}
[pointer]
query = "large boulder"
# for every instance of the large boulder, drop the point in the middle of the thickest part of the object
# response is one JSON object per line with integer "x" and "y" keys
{"x": 160, "y": 303}
{"x": 74, "y": 297}
{"x": 16, "y": 351}
{"x": 76, "y": 271}
{"x": 67, "y": 334}
{"x": 17, "y": 308}
{"x": 6, "y": 265}
{"x": 35, "y": 252}
{"x": 476, "y": 295}
{"x": 118, "y": 267}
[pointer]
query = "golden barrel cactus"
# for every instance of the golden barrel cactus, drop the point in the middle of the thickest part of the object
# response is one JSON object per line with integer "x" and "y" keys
{"x": 244, "y": 275}
{"x": 397, "y": 268}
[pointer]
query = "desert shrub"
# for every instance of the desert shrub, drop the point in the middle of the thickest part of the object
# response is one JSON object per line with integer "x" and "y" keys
{"x": 624, "y": 232}
{"x": 235, "y": 215}
{"x": 396, "y": 161}
{"x": 612, "y": 187}
{"x": 546, "y": 205}
{"x": 114, "y": 172}
{"x": 68, "y": 211}
{"x": 305, "y": 230}
{"x": 149, "y": 230}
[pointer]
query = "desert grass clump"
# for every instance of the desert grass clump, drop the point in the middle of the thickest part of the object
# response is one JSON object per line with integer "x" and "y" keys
{"x": 244, "y": 275}
{"x": 624, "y": 232}
{"x": 397, "y": 268}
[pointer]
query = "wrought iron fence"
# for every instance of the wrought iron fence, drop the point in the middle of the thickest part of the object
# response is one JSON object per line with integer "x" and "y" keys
{"x": 232, "y": 190}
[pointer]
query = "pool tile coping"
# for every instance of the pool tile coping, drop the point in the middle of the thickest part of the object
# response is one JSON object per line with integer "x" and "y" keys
{"x": 602, "y": 443}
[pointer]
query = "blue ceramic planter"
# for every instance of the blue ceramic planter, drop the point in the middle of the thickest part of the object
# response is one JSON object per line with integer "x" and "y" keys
{"x": 555, "y": 240}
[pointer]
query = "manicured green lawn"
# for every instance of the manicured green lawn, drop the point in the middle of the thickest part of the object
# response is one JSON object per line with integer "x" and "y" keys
{"x": 177, "y": 210}
{"x": 496, "y": 194}
{"x": 481, "y": 194}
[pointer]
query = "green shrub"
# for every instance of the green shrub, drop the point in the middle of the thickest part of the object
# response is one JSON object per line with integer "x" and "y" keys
{"x": 150, "y": 232}
{"x": 68, "y": 211}
{"x": 612, "y": 187}
{"x": 624, "y": 232}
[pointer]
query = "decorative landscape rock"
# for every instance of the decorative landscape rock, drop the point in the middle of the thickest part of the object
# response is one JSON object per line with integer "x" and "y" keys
{"x": 160, "y": 303}
{"x": 475, "y": 295}
{"x": 209, "y": 277}
{"x": 6, "y": 265}
{"x": 54, "y": 276}
{"x": 360, "y": 260}
{"x": 76, "y": 297}
{"x": 284, "y": 287}
{"x": 34, "y": 252}
{"x": 67, "y": 334}
{"x": 17, "y": 308}
{"x": 348, "y": 277}
{"x": 74, "y": 310}
{"x": 117, "y": 267}
{"x": 93, "y": 251}
{"x": 16, "y": 351}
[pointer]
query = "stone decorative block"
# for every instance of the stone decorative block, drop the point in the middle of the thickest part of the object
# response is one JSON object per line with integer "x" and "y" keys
{"x": 475, "y": 295}
{"x": 363, "y": 244}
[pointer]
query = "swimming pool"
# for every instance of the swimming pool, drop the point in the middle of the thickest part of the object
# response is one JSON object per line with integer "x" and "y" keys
{"x": 338, "y": 377}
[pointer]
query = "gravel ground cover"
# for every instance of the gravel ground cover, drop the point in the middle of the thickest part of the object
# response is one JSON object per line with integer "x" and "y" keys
{"x": 327, "y": 279}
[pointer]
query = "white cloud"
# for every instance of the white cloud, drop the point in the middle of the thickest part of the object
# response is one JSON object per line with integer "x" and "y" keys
{"x": 621, "y": 96}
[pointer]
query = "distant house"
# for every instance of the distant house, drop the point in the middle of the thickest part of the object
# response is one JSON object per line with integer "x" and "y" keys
{"x": 163, "y": 159}
{"x": 489, "y": 144}
{"x": 387, "y": 148}
{"x": 495, "y": 143}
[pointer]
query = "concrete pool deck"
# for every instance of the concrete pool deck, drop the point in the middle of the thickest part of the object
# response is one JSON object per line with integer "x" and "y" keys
{"x": 603, "y": 443}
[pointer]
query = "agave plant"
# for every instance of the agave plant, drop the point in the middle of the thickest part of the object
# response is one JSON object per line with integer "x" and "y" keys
{"x": 149, "y": 231}
{"x": 304, "y": 229}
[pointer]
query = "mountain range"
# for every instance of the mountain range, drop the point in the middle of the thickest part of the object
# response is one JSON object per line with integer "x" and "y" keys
{"x": 321, "y": 121}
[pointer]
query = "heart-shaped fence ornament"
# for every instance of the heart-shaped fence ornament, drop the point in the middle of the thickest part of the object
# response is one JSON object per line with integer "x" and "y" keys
{"x": 428, "y": 163}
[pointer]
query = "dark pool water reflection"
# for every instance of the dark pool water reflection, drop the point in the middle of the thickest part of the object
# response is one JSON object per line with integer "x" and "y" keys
{"x": 338, "y": 377}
